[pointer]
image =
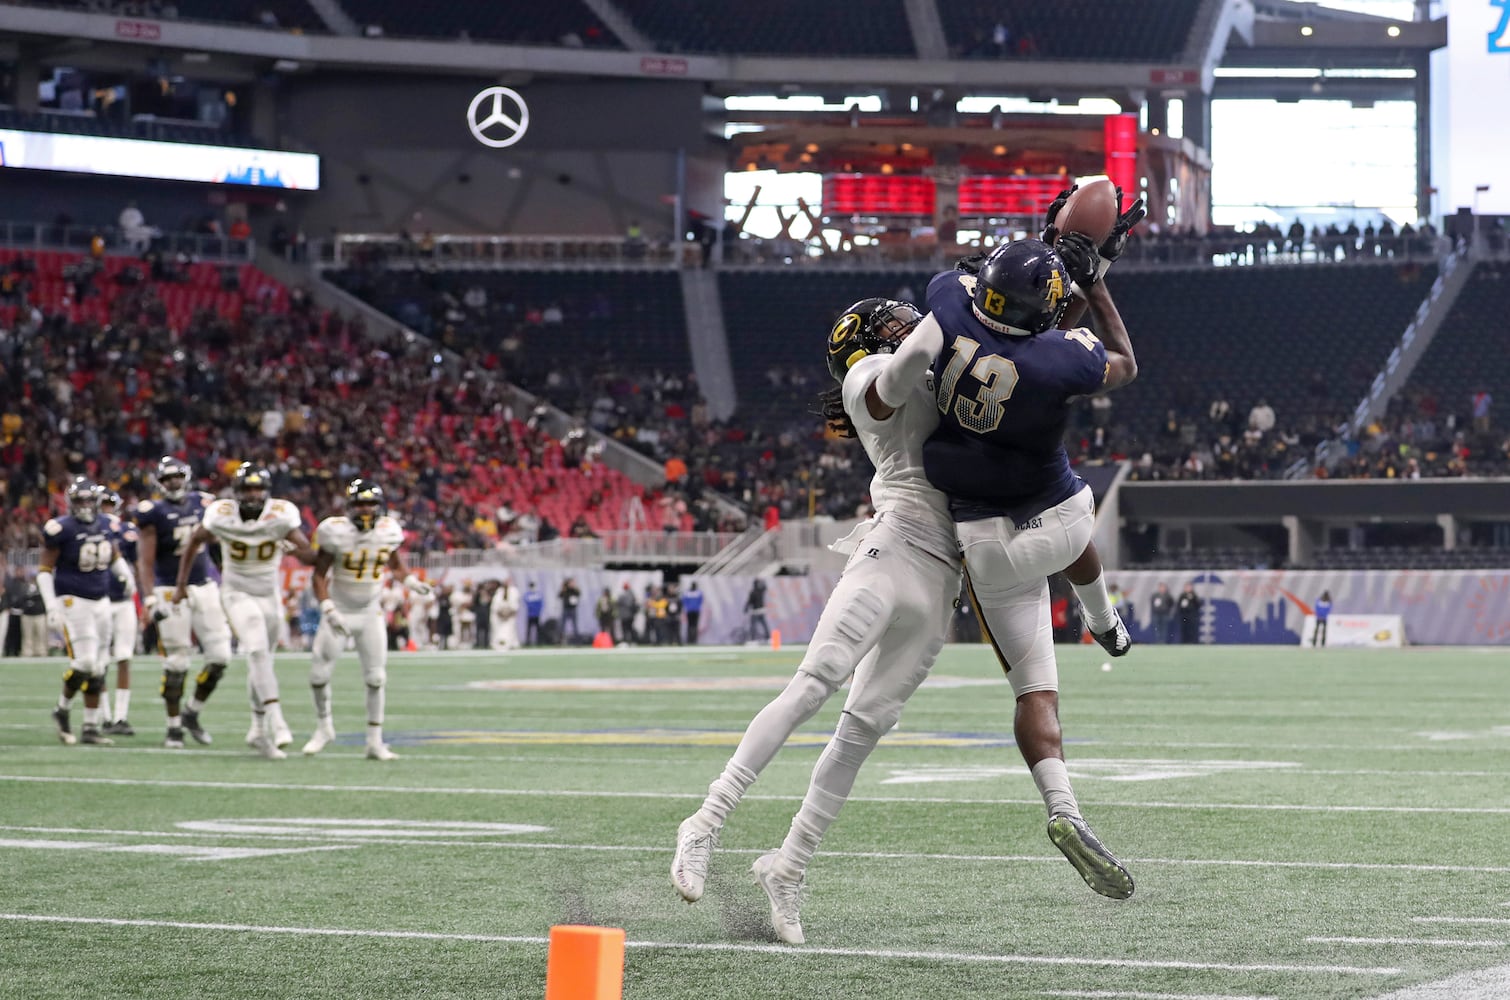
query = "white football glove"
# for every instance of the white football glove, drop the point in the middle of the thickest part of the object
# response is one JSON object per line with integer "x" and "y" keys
{"x": 55, "y": 619}
{"x": 417, "y": 587}
{"x": 328, "y": 613}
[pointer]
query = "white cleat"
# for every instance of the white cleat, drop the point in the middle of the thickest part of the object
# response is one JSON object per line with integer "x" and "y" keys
{"x": 689, "y": 866}
{"x": 252, "y": 736}
{"x": 380, "y": 751}
{"x": 325, "y": 734}
{"x": 282, "y": 737}
{"x": 785, "y": 896}
{"x": 268, "y": 749}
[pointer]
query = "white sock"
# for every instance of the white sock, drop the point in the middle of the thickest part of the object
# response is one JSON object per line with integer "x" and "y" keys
{"x": 91, "y": 717}
{"x": 376, "y": 695}
{"x": 374, "y": 734}
{"x": 259, "y": 672}
{"x": 1096, "y": 604}
{"x": 275, "y": 716}
{"x": 122, "y": 702}
{"x": 798, "y": 702}
{"x": 175, "y": 722}
{"x": 1053, "y": 783}
{"x": 833, "y": 779}
{"x": 321, "y": 693}
{"x": 105, "y": 717}
{"x": 194, "y": 704}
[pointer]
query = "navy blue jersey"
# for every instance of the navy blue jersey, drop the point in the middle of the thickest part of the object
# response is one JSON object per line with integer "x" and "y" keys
{"x": 125, "y": 536}
{"x": 84, "y": 556}
{"x": 1004, "y": 403}
{"x": 174, "y": 522}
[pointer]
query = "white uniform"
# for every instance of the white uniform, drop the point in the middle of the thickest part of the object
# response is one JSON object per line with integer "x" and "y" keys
{"x": 898, "y": 589}
{"x": 356, "y": 590}
{"x": 505, "y": 611}
{"x": 124, "y": 627}
{"x": 251, "y": 557}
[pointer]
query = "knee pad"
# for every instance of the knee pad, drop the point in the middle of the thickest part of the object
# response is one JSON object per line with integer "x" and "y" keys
{"x": 320, "y": 672}
{"x": 172, "y": 688}
{"x": 376, "y": 677}
{"x": 807, "y": 692}
{"x": 93, "y": 684}
{"x": 207, "y": 678}
{"x": 176, "y": 663}
{"x": 73, "y": 680}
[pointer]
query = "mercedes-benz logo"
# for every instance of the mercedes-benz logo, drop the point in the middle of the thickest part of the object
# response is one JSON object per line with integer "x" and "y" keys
{"x": 506, "y": 119}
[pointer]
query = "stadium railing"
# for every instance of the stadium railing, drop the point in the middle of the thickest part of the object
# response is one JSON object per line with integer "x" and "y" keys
{"x": 462, "y": 252}
{"x": 609, "y": 547}
{"x": 47, "y": 236}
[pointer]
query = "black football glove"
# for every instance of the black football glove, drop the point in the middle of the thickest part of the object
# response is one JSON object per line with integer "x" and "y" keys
{"x": 1051, "y": 231}
{"x": 973, "y": 263}
{"x": 1080, "y": 258}
{"x": 1114, "y": 244}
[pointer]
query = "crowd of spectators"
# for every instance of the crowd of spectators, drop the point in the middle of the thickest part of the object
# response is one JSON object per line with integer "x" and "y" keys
{"x": 310, "y": 394}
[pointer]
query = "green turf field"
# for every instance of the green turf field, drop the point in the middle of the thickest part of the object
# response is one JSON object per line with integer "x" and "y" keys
{"x": 1301, "y": 825}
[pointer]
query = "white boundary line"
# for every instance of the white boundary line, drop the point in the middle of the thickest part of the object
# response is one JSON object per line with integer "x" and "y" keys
{"x": 1137, "y": 995}
{"x": 697, "y": 796}
{"x": 934, "y": 956}
{"x": 1412, "y": 942}
{"x": 1487, "y": 921}
{"x": 665, "y": 848}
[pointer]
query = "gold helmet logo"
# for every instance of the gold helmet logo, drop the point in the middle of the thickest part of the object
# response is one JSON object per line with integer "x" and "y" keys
{"x": 847, "y": 327}
{"x": 1055, "y": 290}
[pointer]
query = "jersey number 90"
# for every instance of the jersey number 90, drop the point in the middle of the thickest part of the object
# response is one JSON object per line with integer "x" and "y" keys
{"x": 241, "y": 551}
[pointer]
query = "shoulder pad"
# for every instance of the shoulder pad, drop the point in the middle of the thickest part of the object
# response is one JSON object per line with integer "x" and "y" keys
{"x": 52, "y": 528}
{"x": 145, "y": 507}
{"x": 225, "y": 507}
{"x": 204, "y": 498}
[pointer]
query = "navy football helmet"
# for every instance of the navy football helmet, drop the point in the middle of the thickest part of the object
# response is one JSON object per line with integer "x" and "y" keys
{"x": 83, "y": 500}
{"x": 171, "y": 468}
{"x": 1022, "y": 288}
{"x": 108, "y": 496}
{"x": 250, "y": 486}
{"x": 364, "y": 503}
{"x": 870, "y": 326}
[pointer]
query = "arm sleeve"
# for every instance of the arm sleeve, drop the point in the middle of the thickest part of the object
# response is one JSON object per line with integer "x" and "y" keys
{"x": 49, "y": 592}
{"x": 910, "y": 362}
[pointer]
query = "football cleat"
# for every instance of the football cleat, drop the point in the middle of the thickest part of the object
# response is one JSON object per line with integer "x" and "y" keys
{"x": 65, "y": 730}
{"x": 1114, "y": 640}
{"x": 175, "y": 739}
{"x": 91, "y": 735}
{"x": 785, "y": 896}
{"x": 120, "y": 727}
{"x": 268, "y": 749}
{"x": 380, "y": 751}
{"x": 689, "y": 866}
{"x": 191, "y": 724}
{"x": 324, "y": 734}
{"x": 1101, "y": 871}
{"x": 282, "y": 737}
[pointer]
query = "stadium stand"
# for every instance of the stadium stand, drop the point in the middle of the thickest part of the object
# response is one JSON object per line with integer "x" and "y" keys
{"x": 1471, "y": 354}
{"x": 105, "y": 381}
{"x": 1307, "y": 341}
{"x": 781, "y": 27}
{"x": 141, "y": 128}
{"x": 1076, "y": 29}
{"x": 283, "y": 15}
{"x": 568, "y": 22}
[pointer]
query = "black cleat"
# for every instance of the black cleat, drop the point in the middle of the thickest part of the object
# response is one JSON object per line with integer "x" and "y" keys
{"x": 65, "y": 731}
{"x": 191, "y": 723}
{"x": 1114, "y": 640}
{"x": 120, "y": 727}
{"x": 175, "y": 740}
{"x": 91, "y": 736}
{"x": 1101, "y": 871}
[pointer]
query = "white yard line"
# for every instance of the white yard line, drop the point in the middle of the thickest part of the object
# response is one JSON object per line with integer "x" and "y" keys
{"x": 697, "y": 796}
{"x": 1054, "y": 859}
{"x": 1483, "y": 984}
{"x": 934, "y": 956}
{"x": 1137, "y": 995}
{"x": 1413, "y": 942}
{"x": 1487, "y": 921}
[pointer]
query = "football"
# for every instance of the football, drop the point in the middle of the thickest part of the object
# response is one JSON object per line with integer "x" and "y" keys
{"x": 1091, "y": 210}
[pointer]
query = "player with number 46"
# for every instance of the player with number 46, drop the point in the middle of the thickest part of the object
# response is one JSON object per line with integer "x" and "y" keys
{"x": 352, "y": 551}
